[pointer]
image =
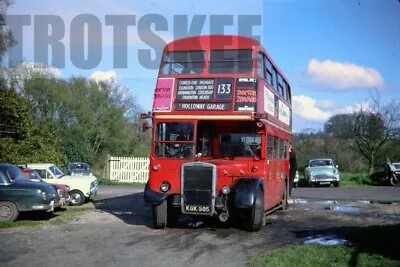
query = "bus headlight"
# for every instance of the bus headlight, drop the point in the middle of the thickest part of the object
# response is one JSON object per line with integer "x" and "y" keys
{"x": 165, "y": 186}
{"x": 225, "y": 190}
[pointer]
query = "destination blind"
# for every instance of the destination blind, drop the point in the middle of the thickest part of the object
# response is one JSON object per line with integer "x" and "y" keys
{"x": 195, "y": 89}
{"x": 204, "y": 89}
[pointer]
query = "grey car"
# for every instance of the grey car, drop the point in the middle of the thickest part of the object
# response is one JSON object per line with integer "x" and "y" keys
{"x": 322, "y": 171}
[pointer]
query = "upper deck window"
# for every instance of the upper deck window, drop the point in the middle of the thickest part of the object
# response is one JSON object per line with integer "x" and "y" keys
{"x": 230, "y": 61}
{"x": 182, "y": 62}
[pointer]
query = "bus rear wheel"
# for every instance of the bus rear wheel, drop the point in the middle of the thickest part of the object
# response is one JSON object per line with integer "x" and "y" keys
{"x": 254, "y": 220}
{"x": 160, "y": 215}
{"x": 284, "y": 201}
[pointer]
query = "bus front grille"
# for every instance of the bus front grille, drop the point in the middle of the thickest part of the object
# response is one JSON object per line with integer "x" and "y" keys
{"x": 198, "y": 184}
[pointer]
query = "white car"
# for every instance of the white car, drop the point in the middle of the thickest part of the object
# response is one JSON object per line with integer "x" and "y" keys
{"x": 296, "y": 180}
{"x": 81, "y": 187}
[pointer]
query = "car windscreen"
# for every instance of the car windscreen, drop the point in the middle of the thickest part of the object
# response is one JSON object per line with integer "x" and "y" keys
{"x": 56, "y": 171}
{"x": 316, "y": 163}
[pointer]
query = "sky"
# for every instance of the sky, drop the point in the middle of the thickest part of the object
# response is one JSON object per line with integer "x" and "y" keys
{"x": 334, "y": 53}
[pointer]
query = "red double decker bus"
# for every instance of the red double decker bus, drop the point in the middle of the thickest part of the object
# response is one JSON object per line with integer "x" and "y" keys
{"x": 221, "y": 122}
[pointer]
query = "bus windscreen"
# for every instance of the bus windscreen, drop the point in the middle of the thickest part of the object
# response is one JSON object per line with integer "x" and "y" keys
{"x": 230, "y": 61}
{"x": 183, "y": 62}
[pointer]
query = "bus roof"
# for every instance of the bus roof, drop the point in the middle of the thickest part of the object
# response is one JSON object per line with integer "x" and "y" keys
{"x": 207, "y": 42}
{"x": 219, "y": 41}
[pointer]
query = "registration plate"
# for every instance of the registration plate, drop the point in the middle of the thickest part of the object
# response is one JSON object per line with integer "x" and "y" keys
{"x": 324, "y": 182}
{"x": 196, "y": 208}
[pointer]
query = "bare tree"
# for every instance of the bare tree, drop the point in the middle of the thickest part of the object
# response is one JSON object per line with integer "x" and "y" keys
{"x": 370, "y": 128}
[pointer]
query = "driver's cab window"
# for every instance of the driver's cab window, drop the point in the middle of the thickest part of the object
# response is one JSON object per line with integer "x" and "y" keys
{"x": 174, "y": 140}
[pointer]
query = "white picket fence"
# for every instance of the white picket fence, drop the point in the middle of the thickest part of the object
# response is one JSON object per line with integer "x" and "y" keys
{"x": 128, "y": 169}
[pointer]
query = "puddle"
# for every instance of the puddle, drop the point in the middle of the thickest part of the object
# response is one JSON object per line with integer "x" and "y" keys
{"x": 304, "y": 201}
{"x": 326, "y": 240}
{"x": 344, "y": 208}
{"x": 297, "y": 201}
{"x": 388, "y": 216}
{"x": 364, "y": 201}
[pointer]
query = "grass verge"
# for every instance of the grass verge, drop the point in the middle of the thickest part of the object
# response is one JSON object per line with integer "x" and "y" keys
{"x": 317, "y": 255}
{"x": 37, "y": 218}
{"x": 355, "y": 180}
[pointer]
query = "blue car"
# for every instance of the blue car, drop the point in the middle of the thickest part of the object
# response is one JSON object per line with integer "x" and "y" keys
{"x": 322, "y": 171}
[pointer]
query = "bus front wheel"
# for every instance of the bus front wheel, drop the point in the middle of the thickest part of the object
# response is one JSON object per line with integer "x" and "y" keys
{"x": 160, "y": 215}
{"x": 255, "y": 217}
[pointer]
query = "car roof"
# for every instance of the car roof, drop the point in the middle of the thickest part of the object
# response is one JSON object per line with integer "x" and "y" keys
{"x": 39, "y": 165}
{"x": 320, "y": 159}
{"x": 7, "y": 165}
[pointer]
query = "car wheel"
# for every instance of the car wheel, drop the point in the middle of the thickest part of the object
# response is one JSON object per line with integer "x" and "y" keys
{"x": 295, "y": 185}
{"x": 77, "y": 197}
{"x": 8, "y": 211}
{"x": 336, "y": 184}
{"x": 254, "y": 221}
{"x": 160, "y": 215}
{"x": 394, "y": 181}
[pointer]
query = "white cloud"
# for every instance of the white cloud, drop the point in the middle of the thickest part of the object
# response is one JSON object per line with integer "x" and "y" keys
{"x": 307, "y": 108}
{"x": 104, "y": 75}
{"x": 313, "y": 111}
{"x": 326, "y": 104}
{"x": 40, "y": 68}
{"x": 343, "y": 75}
{"x": 350, "y": 109}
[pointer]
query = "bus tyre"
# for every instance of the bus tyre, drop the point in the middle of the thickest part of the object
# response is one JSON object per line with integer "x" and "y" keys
{"x": 160, "y": 215}
{"x": 254, "y": 220}
{"x": 172, "y": 216}
{"x": 284, "y": 201}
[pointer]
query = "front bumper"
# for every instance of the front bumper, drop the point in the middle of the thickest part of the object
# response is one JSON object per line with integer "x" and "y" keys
{"x": 93, "y": 191}
{"x": 46, "y": 207}
{"x": 326, "y": 180}
{"x": 65, "y": 201}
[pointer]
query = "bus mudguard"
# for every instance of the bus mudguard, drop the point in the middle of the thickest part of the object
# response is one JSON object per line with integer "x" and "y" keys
{"x": 153, "y": 197}
{"x": 245, "y": 191}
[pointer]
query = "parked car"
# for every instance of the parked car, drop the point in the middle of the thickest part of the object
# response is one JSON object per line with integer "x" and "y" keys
{"x": 322, "y": 171}
{"x": 18, "y": 194}
{"x": 62, "y": 189}
{"x": 81, "y": 187}
{"x": 386, "y": 173}
{"x": 78, "y": 168}
{"x": 296, "y": 179}
{"x": 396, "y": 165}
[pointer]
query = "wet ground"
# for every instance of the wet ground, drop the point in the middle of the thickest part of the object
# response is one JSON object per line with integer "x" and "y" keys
{"x": 117, "y": 232}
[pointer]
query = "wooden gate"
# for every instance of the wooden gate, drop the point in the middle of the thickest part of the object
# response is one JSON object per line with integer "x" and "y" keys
{"x": 128, "y": 169}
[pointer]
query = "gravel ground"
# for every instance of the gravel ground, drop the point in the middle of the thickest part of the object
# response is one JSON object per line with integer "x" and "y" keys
{"x": 117, "y": 232}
